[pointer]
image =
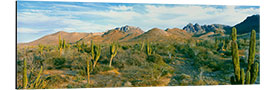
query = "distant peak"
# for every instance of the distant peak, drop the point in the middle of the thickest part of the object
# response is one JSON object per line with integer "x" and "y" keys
{"x": 60, "y": 32}
{"x": 127, "y": 28}
{"x": 190, "y": 24}
{"x": 155, "y": 29}
{"x": 196, "y": 24}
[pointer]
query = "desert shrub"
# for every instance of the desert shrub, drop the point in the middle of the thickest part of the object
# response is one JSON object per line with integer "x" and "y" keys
{"x": 187, "y": 50}
{"x": 228, "y": 53}
{"x": 125, "y": 47}
{"x": 101, "y": 68}
{"x": 168, "y": 60}
{"x": 155, "y": 58}
{"x": 59, "y": 62}
{"x": 127, "y": 58}
{"x": 206, "y": 43}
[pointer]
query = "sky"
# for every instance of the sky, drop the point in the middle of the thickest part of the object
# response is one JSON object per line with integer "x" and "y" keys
{"x": 36, "y": 19}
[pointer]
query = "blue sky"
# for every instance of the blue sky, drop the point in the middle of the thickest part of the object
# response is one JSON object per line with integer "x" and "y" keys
{"x": 38, "y": 18}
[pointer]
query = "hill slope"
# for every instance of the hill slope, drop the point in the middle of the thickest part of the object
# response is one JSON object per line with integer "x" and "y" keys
{"x": 52, "y": 39}
{"x": 117, "y": 34}
{"x": 156, "y": 34}
{"x": 251, "y": 22}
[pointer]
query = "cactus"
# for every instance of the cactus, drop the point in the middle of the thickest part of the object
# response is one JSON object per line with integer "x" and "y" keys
{"x": 253, "y": 68}
{"x": 25, "y": 80}
{"x": 216, "y": 43}
{"x": 254, "y": 72}
{"x": 36, "y": 84}
{"x": 88, "y": 62}
{"x": 242, "y": 76}
{"x": 247, "y": 78}
{"x": 142, "y": 46}
{"x": 64, "y": 44}
{"x": 252, "y": 49}
{"x": 223, "y": 45}
{"x": 235, "y": 55}
{"x": 148, "y": 48}
{"x": 60, "y": 45}
{"x": 41, "y": 47}
{"x": 97, "y": 52}
{"x": 113, "y": 51}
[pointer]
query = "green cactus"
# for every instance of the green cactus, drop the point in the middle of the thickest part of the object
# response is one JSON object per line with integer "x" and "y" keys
{"x": 236, "y": 62}
{"x": 252, "y": 49}
{"x": 252, "y": 69}
{"x": 64, "y": 44}
{"x": 216, "y": 43}
{"x": 36, "y": 83}
{"x": 223, "y": 45}
{"x": 242, "y": 76}
{"x": 26, "y": 84}
{"x": 97, "y": 53}
{"x": 92, "y": 49}
{"x": 59, "y": 41}
{"x": 25, "y": 80}
{"x": 41, "y": 47}
{"x": 148, "y": 48}
{"x": 113, "y": 51}
{"x": 89, "y": 63}
{"x": 234, "y": 34}
{"x": 247, "y": 78}
{"x": 142, "y": 46}
{"x": 254, "y": 72}
{"x": 61, "y": 45}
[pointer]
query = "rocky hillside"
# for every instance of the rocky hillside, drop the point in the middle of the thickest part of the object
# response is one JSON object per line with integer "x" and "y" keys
{"x": 251, "y": 22}
{"x": 117, "y": 34}
{"x": 198, "y": 29}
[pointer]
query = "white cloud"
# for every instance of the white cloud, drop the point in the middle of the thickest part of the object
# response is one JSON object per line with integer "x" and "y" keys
{"x": 56, "y": 23}
{"x": 121, "y": 8}
{"x": 155, "y": 16}
{"x": 28, "y": 30}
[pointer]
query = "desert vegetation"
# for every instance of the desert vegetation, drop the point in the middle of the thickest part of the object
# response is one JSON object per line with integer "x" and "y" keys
{"x": 217, "y": 60}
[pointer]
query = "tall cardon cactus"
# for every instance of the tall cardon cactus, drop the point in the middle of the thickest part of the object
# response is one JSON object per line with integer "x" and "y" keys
{"x": 240, "y": 77}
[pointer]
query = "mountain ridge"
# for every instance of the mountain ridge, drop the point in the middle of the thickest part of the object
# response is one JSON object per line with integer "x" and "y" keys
{"x": 132, "y": 33}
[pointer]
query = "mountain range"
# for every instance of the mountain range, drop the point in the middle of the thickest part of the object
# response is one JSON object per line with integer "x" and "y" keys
{"x": 134, "y": 34}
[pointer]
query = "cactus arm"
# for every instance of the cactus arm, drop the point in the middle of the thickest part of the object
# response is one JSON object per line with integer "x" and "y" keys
{"x": 38, "y": 77}
{"x": 142, "y": 45}
{"x": 252, "y": 49}
{"x": 92, "y": 50}
{"x": 247, "y": 78}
